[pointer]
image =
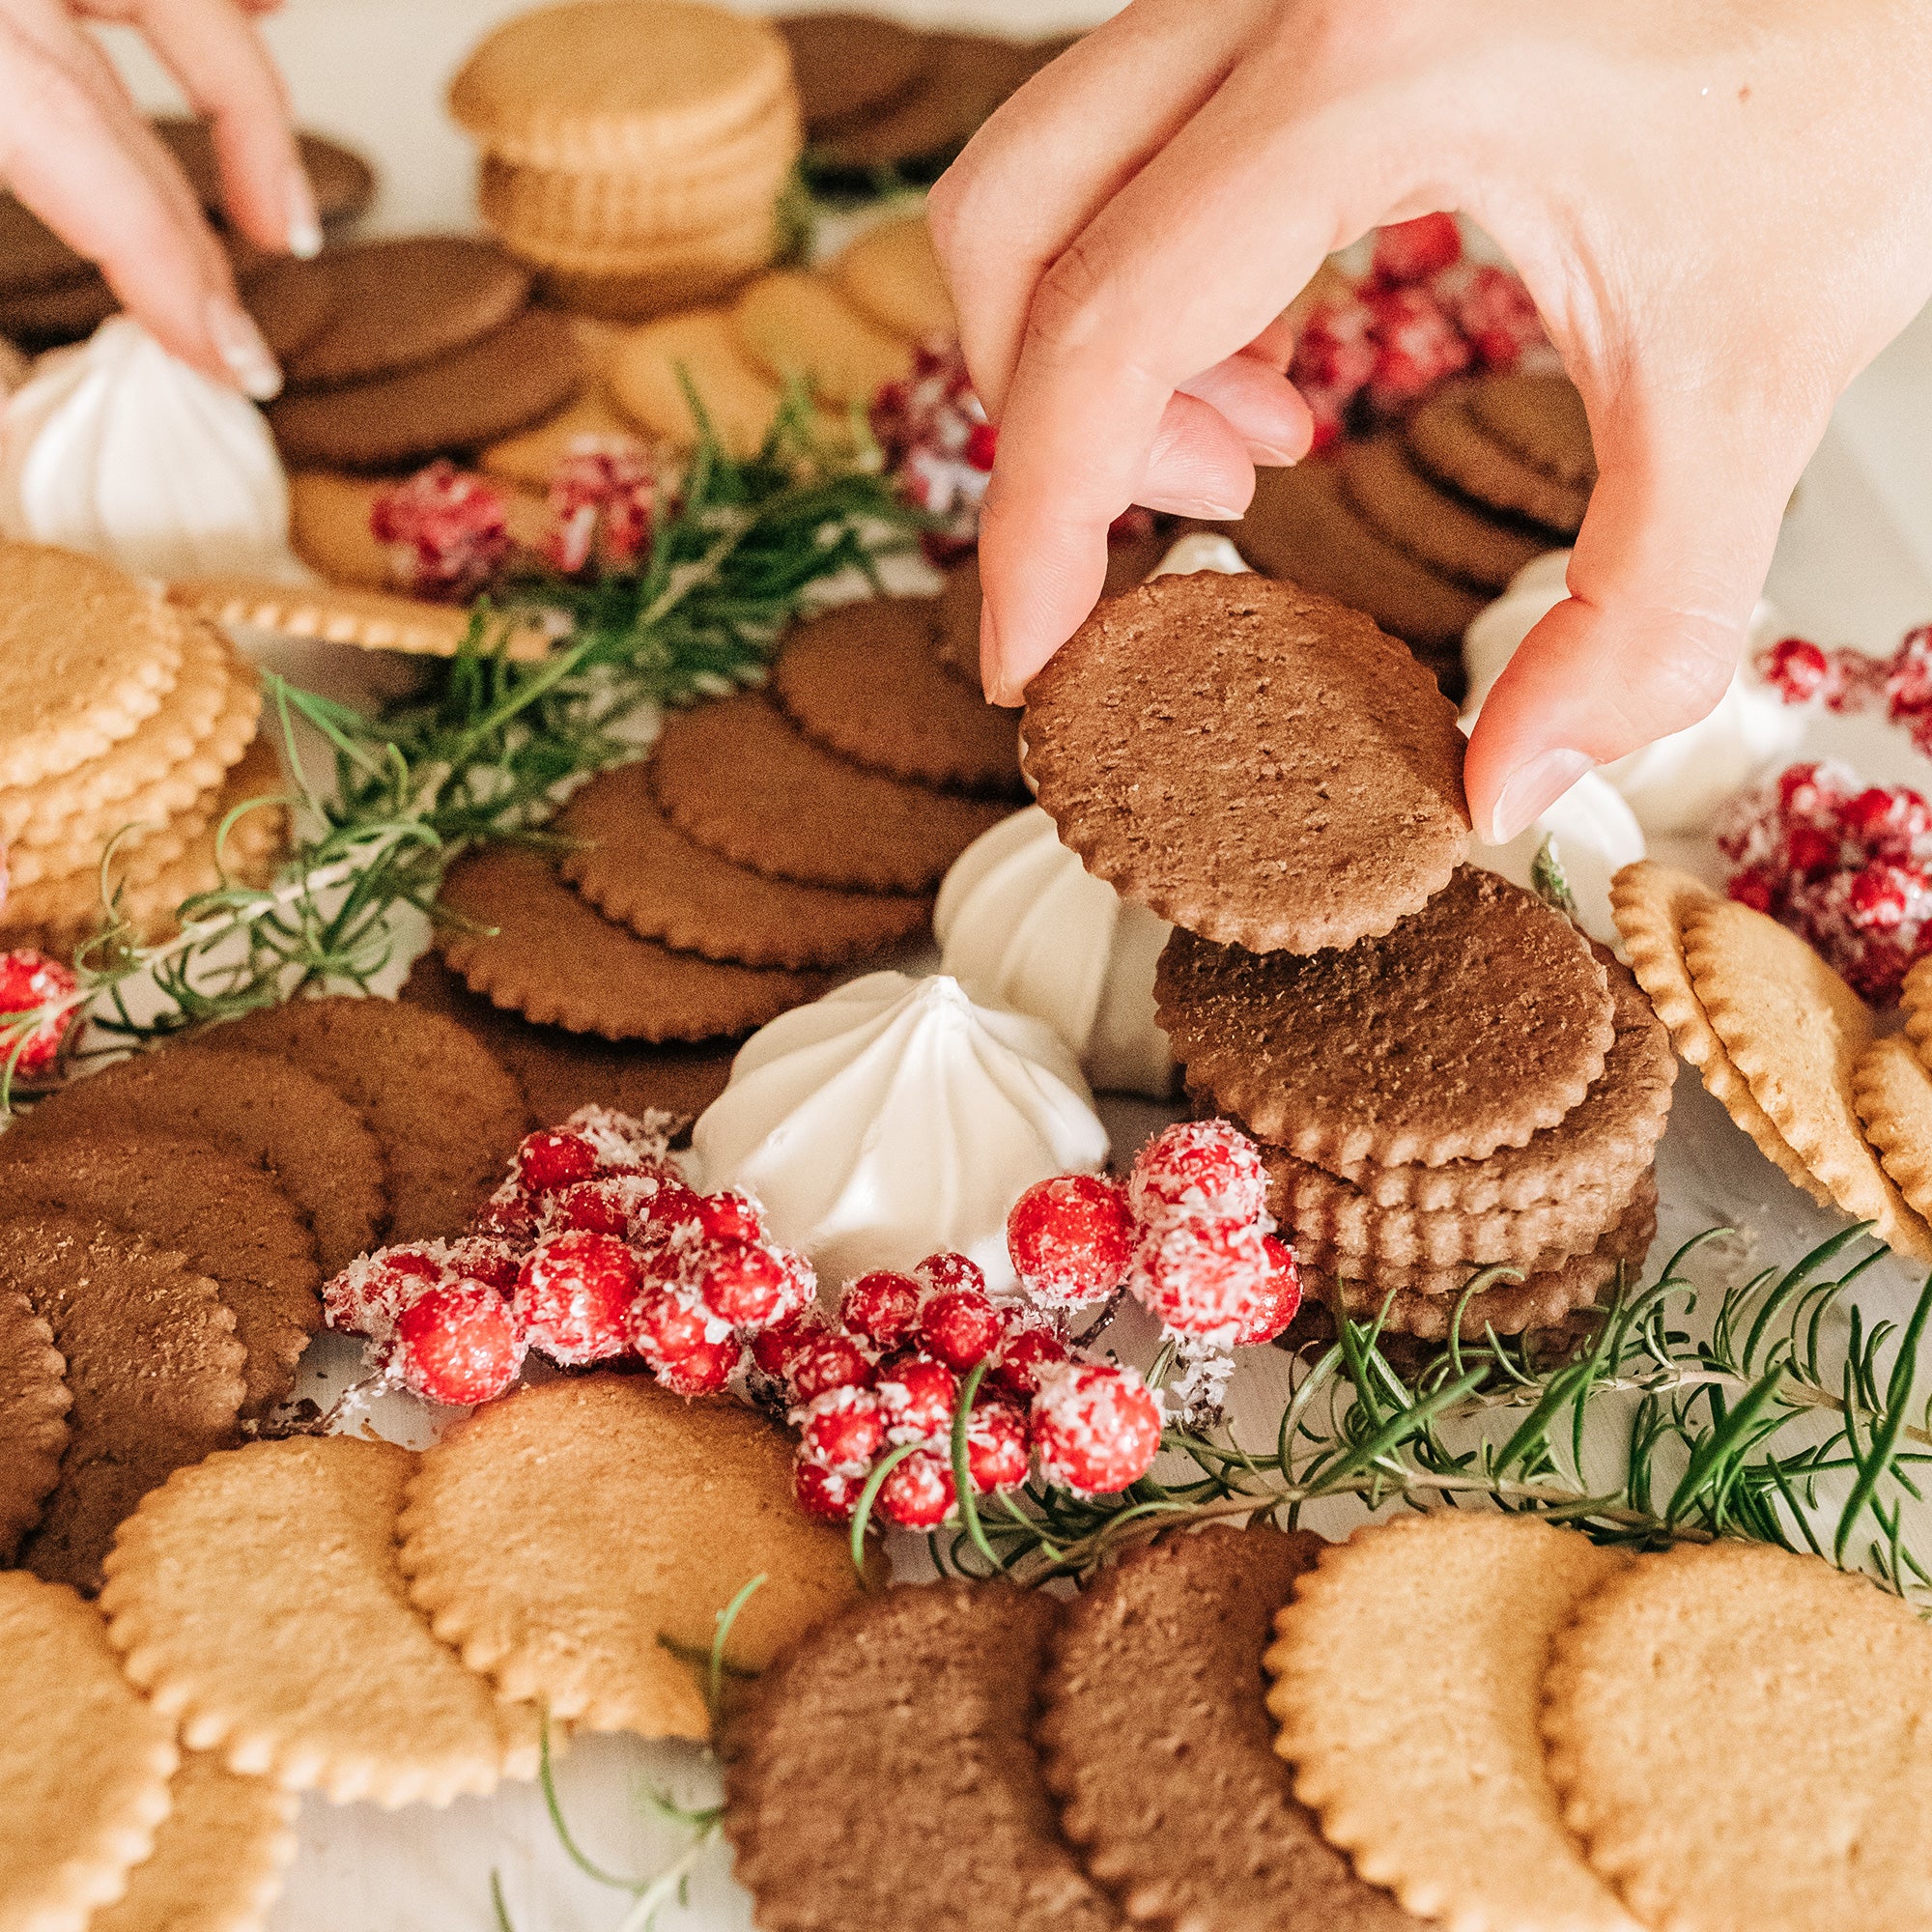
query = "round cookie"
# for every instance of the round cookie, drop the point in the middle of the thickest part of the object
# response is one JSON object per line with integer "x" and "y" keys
{"x": 289, "y": 302}
{"x": 333, "y": 613}
{"x": 1476, "y": 1022}
{"x": 1255, "y": 763}
{"x": 51, "y": 317}
{"x": 848, "y": 65}
{"x": 1540, "y": 418}
{"x": 797, "y": 326}
{"x": 152, "y": 1365}
{"x": 650, "y": 367}
{"x": 529, "y": 459}
{"x": 570, "y": 1539}
{"x": 475, "y": 394}
{"x": 87, "y": 654}
{"x": 865, "y": 680}
{"x": 255, "y": 1598}
{"x": 892, "y": 273}
{"x": 32, "y": 256}
{"x": 342, "y": 182}
{"x": 884, "y": 1774}
{"x": 1408, "y": 1679}
{"x": 1790, "y": 1697}
{"x": 548, "y": 954}
{"x": 637, "y": 869}
{"x": 444, "y": 1112}
{"x": 1892, "y": 1092}
{"x": 34, "y": 1404}
{"x": 84, "y": 1761}
{"x": 1162, "y": 1755}
{"x": 1300, "y": 528}
{"x": 1448, "y": 443}
{"x": 736, "y": 777}
{"x": 1441, "y": 530}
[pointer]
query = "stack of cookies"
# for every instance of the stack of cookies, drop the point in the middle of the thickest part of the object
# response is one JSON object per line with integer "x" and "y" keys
{"x": 1444, "y": 1075}
{"x": 635, "y": 151}
{"x": 129, "y": 722}
{"x": 1422, "y": 525}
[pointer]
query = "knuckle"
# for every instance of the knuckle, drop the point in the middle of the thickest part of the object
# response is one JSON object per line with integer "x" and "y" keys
{"x": 1072, "y": 306}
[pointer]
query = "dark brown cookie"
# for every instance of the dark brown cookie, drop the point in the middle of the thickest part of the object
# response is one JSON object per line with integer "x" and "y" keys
{"x": 34, "y": 1404}
{"x": 1448, "y": 443}
{"x": 342, "y": 182}
{"x": 446, "y": 1113}
{"x": 290, "y": 303}
{"x": 884, "y": 1775}
{"x": 637, "y": 867}
{"x": 1157, "y": 1740}
{"x": 547, "y": 953}
{"x": 738, "y": 778}
{"x": 225, "y": 1214}
{"x": 152, "y": 1365}
{"x": 866, "y": 681}
{"x": 1441, "y": 529}
{"x": 1542, "y": 419}
{"x": 1299, "y": 527}
{"x": 485, "y": 390}
{"x": 48, "y": 318}
{"x": 1471, "y": 1025}
{"x": 847, "y": 65}
{"x": 262, "y": 1109}
{"x": 32, "y": 256}
{"x": 1256, "y": 763}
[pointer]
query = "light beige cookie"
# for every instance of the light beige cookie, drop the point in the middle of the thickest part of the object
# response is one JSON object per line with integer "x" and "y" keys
{"x": 1915, "y": 1000}
{"x": 1892, "y": 1092}
{"x": 531, "y": 459}
{"x": 84, "y": 1762}
{"x": 1795, "y": 1029}
{"x": 329, "y": 527}
{"x": 256, "y": 1599}
{"x": 1408, "y": 1683}
{"x": 1739, "y": 1737}
{"x": 650, "y": 367}
{"x": 797, "y": 325}
{"x": 571, "y": 1539}
{"x": 333, "y": 613}
{"x": 891, "y": 273}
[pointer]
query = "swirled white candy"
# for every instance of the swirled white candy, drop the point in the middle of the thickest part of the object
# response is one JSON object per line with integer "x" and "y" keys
{"x": 1675, "y": 785}
{"x": 117, "y": 448}
{"x": 1022, "y": 923}
{"x": 895, "y": 1117}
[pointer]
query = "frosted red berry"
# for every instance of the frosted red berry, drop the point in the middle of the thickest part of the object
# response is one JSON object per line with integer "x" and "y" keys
{"x": 915, "y": 1396}
{"x": 574, "y": 1296}
{"x": 1203, "y": 1278}
{"x": 1411, "y": 251}
{"x": 1797, "y": 668}
{"x": 830, "y": 1361}
{"x": 481, "y": 1258}
{"x": 666, "y": 1206}
{"x": 743, "y": 1283}
{"x": 774, "y": 1349}
{"x": 825, "y": 1495}
{"x": 367, "y": 1295}
{"x": 682, "y": 1345}
{"x": 730, "y": 1217}
{"x": 919, "y": 1493}
{"x": 600, "y": 1206}
{"x": 945, "y": 1270}
{"x": 961, "y": 1326}
{"x": 1280, "y": 1300}
{"x": 1197, "y": 1169}
{"x": 1070, "y": 1238}
{"x": 457, "y": 1342}
{"x": 1029, "y": 1347}
{"x": 882, "y": 1306}
{"x": 1096, "y": 1428}
{"x": 512, "y": 1213}
{"x": 997, "y": 1456}
{"x": 550, "y": 1160}
{"x": 1417, "y": 346}
{"x": 28, "y": 981}
{"x": 844, "y": 1429}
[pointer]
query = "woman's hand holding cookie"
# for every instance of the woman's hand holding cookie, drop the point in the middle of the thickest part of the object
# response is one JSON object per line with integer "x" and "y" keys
{"x": 1721, "y": 210}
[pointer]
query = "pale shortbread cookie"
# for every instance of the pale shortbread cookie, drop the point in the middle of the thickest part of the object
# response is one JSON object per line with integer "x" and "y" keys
{"x": 1892, "y": 1092}
{"x": 1740, "y": 1739}
{"x": 218, "y": 1857}
{"x": 893, "y": 274}
{"x": 1915, "y": 1000}
{"x": 531, "y": 459}
{"x": 86, "y": 654}
{"x": 794, "y": 324}
{"x": 1650, "y": 903}
{"x": 1795, "y": 1029}
{"x": 256, "y": 1599}
{"x": 336, "y": 613}
{"x": 1408, "y": 1676}
{"x": 650, "y": 367}
{"x": 84, "y": 1762}
{"x": 565, "y": 1537}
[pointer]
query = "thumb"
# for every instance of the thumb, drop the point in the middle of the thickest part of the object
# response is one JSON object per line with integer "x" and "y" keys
{"x": 1666, "y": 569}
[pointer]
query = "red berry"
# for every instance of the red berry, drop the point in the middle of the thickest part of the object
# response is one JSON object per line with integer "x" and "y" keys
{"x": 942, "y": 1272}
{"x": 510, "y": 1214}
{"x": 1280, "y": 1298}
{"x": 961, "y": 1328}
{"x": 547, "y": 1161}
{"x": 600, "y": 1206}
{"x": 730, "y": 1217}
{"x": 1205, "y": 1278}
{"x": 1494, "y": 310}
{"x": 1095, "y": 1426}
{"x": 831, "y": 1361}
{"x": 479, "y": 1257}
{"x": 825, "y": 1495}
{"x": 1411, "y": 251}
{"x": 742, "y": 1284}
{"x": 677, "y": 1339}
{"x": 882, "y": 1306}
{"x": 574, "y": 1296}
{"x": 983, "y": 444}
{"x": 917, "y": 1494}
{"x": 28, "y": 981}
{"x": 1070, "y": 1238}
{"x": 1797, "y": 668}
{"x": 996, "y": 1447}
{"x": 669, "y": 1205}
{"x": 844, "y": 1429}
{"x": 1418, "y": 345}
{"x": 366, "y": 1297}
{"x": 1196, "y": 1170}
{"x": 456, "y": 1342}
{"x": 1879, "y": 894}
{"x": 1027, "y": 1350}
{"x": 1334, "y": 351}
{"x": 916, "y": 1395}
{"x": 1754, "y": 889}
{"x": 1808, "y": 850}
{"x": 774, "y": 1349}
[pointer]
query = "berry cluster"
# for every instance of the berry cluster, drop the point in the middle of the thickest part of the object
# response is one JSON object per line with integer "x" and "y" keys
{"x": 603, "y": 500}
{"x": 1846, "y": 865}
{"x": 1847, "y": 680}
{"x": 447, "y": 530}
{"x": 938, "y": 445}
{"x": 28, "y": 981}
{"x": 592, "y": 1250}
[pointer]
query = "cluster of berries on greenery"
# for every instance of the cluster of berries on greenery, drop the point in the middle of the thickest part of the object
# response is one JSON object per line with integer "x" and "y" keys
{"x": 938, "y": 446}
{"x": 593, "y": 1250}
{"x": 1847, "y": 680}
{"x": 1846, "y": 865}
{"x": 30, "y": 981}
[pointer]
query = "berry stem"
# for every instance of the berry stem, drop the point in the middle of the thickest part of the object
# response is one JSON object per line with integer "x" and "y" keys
{"x": 862, "y": 1517}
{"x": 963, "y": 1472}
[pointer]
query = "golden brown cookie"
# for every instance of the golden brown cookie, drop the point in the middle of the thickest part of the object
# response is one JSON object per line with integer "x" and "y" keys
{"x": 885, "y": 1776}
{"x": 544, "y": 952}
{"x": 1450, "y": 444}
{"x": 1892, "y": 1092}
{"x": 1540, "y": 418}
{"x": 849, "y": 65}
{"x": 444, "y": 1112}
{"x": 865, "y": 680}
{"x": 635, "y": 868}
{"x": 152, "y": 1365}
{"x": 1790, "y": 1697}
{"x": 891, "y": 273}
{"x": 1159, "y": 1748}
{"x": 1915, "y": 1005}
{"x": 1439, "y": 528}
{"x": 1255, "y": 763}
{"x": 256, "y": 1599}
{"x": 530, "y": 458}
{"x": 329, "y": 527}
{"x": 331, "y": 613}
{"x": 569, "y": 1541}
{"x": 633, "y": 284}
{"x": 84, "y": 1762}
{"x": 795, "y": 324}
{"x": 737, "y": 778}
{"x": 34, "y": 1404}
{"x": 1407, "y": 1681}
{"x": 1475, "y": 1023}
{"x": 653, "y": 367}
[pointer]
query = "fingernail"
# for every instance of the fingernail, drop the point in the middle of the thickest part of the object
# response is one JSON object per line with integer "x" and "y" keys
{"x": 239, "y": 345}
{"x": 305, "y": 224}
{"x": 1194, "y": 506}
{"x": 1534, "y": 788}
{"x": 1277, "y": 455}
{"x": 992, "y": 672}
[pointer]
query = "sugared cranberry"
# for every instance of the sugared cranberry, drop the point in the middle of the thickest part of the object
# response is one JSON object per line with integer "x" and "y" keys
{"x": 1417, "y": 346}
{"x": 1096, "y": 1428}
{"x": 882, "y": 1306}
{"x": 1411, "y": 251}
{"x": 917, "y": 1494}
{"x": 961, "y": 1328}
{"x": 826, "y": 1495}
{"x": 996, "y": 1447}
{"x": 675, "y": 1338}
{"x": 1280, "y": 1300}
{"x": 1494, "y": 310}
{"x": 845, "y": 1430}
{"x": 28, "y": 981}
{"x": 774, "y": 1349}
{"x": 512, "y": 1213}
{"x": 1335, "y": 349}
{"x": 1754, "y": 888}
{"x": 600, "y": 1206}
{"x": 1196, "y": 1170}
{"x": 1796, "y": 667}
{"x": 743, "y": 1283}
{"x": 916, "y": 1395}
{"x": 1879, "y": 894}
{"x": 667, "y": 1206}
{"x": 483, "y": 1259}
{"x": 730, "y": 1217}
{"x": 1205, "y": 1278}
{"x": 1070, "y": 1238}
{"x": 945, "y": 1270}
{"x": 457, "y": 1342}
{"x": 367, "y": 1295}
{"x": 830, "y": 1361}
{"x": 1027, "y": 1350}
{"x": 547, "y": 1161}
{"x": 574, "y": 1296}
{"x": 1808, "y": 850}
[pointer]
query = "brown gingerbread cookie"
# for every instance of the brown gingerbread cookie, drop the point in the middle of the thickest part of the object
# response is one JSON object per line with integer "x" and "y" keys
{"x": 635, "y": 866}
{"x": 59, "y": 313}
{"x": 290, "y": 303}
{"x": 1469, "y": 1027}
{"x": 1542, "y": 419}
{"x": 32, "y": 256}
{"x": 846, "y": 66}
{"x": 736, "y": 777}
{"x": 1254, "y": 762}
{"x": 1438, "y": 528}
{"x": 342, "y": 182}
{"x": 1450, "y": 444}
{"x": 34, "y": 1404}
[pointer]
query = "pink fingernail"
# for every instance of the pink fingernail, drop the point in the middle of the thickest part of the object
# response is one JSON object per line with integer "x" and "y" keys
{"x": 305, "y": 224}
{"x": 992, "y": 672}
{"x": 1534, "y": 788}
{"x": 239, "y": 345}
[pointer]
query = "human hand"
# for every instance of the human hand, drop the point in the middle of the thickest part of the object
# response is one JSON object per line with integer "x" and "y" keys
{"x": 1721, "y": 208}
{"x": 75, "y": 152}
